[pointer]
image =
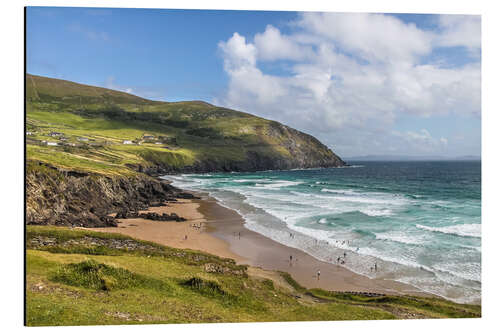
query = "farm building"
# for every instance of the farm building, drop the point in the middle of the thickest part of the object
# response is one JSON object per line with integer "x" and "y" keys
{"x": 148, "y": 137}
{"x": 55, "y": 134}
{"x": 127, "y": 142}
{"x": 51, "y": 143}
{"x": 83, "y": 139}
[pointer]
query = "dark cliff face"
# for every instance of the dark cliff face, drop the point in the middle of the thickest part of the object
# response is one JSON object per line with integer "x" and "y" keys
{"x": 58, "y": 197}
{"x": 305, "y": 150}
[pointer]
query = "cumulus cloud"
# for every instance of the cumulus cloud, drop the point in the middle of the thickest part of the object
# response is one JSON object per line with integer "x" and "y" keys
{"x": 460, "y": 30}
{"x": 353, "y": 75}
{"x": 238, "y": 55}
{"x": 272, "y": 45}
{"x": 374, "y": 37}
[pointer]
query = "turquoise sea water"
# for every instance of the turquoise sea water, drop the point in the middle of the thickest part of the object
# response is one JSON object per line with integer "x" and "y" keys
{"x": 419, "y": 221}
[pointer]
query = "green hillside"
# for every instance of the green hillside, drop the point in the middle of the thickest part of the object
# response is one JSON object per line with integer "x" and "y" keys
{"x": 111, "y": 132}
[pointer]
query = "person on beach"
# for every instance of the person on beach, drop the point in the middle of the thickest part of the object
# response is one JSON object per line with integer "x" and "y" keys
{"x": 239, "y": 235}
{"x": 185, "y": 237}
{"x": 375, "y": 267}
{"x": 344, "y": 254}
{"x": 318, "y": 274}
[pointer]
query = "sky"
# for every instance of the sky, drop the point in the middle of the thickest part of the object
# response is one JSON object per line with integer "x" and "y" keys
{"x": 363, "y": 84}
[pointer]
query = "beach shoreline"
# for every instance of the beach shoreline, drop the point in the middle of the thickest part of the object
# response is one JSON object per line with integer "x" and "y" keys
{"x": 215, "y": 229}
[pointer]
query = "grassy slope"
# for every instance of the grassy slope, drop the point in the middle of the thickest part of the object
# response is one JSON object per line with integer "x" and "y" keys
{"x": 75, "y": 284}
{"x": 203, "y": 132}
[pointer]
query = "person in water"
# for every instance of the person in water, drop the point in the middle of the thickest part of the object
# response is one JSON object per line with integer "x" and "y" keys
{"x": 318, "y": 274}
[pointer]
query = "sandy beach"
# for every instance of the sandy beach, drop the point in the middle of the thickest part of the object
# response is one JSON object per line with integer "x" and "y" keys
{"x": 222, "y": 233}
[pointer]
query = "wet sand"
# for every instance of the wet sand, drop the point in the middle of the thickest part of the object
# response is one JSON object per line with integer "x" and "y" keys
{"x": 219, "y": 235}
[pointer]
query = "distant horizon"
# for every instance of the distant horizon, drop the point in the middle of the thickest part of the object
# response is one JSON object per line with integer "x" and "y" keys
{"x": 363, "y": 84}
{"x": 397, "y": 158}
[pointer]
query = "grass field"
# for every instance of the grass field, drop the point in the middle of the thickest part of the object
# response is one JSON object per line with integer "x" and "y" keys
{"x": 77, "y": 277}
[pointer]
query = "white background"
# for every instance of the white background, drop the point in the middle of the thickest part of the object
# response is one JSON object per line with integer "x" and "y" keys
{"x": 12, "y": 132}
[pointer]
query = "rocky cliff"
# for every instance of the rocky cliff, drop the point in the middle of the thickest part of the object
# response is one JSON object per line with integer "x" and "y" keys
{"x": 69, "y": 198}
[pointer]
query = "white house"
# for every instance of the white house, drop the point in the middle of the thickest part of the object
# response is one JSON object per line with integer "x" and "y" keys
{"x": 51, "y": 143}
{"x": 83, "y": 139}
{"x": 29, "y": 133}
{"x": 127, "y": 142}
{"x": 158, "y": 143}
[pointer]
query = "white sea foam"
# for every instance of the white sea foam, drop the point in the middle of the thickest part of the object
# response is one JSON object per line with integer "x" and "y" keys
{"x": 466, "y": 270}
{"x": 401, "y": 237}
{"x": 338, "y": 191}
{"x": 370, "y": 200}
{"x": 322, "y": 220}
{"x": 377, "y": 212}
{"x": 277, "y": 184}
{"x": 465, "y": 230}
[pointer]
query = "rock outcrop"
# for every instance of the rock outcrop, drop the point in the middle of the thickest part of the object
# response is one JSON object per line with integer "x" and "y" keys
{"x": 69, "y": 198}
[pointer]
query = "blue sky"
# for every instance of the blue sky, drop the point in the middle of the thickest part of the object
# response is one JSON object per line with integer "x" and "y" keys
{"x": 164, "y": 54}
{"x": 361, "y": 83}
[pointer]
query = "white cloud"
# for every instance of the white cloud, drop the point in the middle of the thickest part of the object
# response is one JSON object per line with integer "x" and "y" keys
{"x": 460, "y": 30}
{"x": 422, "y": 141}
{"x": 272, "y": 45}
{"x": 352, "y": 75}
{"x": 238, "y": 55}
{"x": 375, "y": 37}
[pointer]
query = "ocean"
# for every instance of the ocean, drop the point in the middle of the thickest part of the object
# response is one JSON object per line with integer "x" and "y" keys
{"x": 419, "y": 222}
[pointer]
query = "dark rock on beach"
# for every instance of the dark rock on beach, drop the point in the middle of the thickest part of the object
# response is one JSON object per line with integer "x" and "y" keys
{"x": 149, "y": 216}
